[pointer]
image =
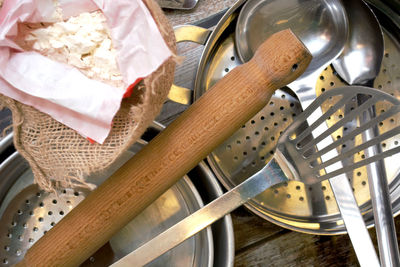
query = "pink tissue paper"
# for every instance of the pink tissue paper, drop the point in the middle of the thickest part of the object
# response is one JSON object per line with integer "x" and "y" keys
{"x": 62, "y": 91}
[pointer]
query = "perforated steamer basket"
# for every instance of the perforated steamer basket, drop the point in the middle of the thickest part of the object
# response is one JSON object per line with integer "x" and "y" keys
{"x": 27, "y": 213}
{"x": 310, "y": 209}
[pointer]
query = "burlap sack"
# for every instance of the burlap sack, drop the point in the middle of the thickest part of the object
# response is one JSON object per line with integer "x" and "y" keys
{"x": 59, "y": 157}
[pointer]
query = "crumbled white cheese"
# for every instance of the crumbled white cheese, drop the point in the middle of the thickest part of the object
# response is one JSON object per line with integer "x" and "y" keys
{"x": 83, "y": 41}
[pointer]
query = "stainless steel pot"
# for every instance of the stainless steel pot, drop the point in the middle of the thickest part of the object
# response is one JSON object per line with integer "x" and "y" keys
{"x": 294, "y": 206}
{"x": 26, "y": 213}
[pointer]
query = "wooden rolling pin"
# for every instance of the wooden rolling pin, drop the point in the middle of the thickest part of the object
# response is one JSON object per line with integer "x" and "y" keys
{"x": 168, "y": 157}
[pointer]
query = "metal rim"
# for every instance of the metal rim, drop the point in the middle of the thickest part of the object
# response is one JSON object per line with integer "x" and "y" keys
{"x": 331, "y": 225}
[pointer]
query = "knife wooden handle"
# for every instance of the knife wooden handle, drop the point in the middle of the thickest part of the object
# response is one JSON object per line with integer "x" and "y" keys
{"x": 208, "y": 122}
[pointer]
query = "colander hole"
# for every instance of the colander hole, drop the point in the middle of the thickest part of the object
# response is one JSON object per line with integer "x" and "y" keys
{"x": 276, "y": 191}
{"x": 392, "y": 120}
{"x": 344, "y": 146}
{"x": 41, "y": 204}
{"x": 31, "y": 213}
{"x": 40, "y": 219}
{"x": 327, "y": 197}
{"x": 332, "y": 83}
{"x": 20, "y": 238}
{"x": 298, "y": 187}
{"x": 272, "y": 138}
{"x": 91, "y": 259}
{"x": 5, "y": 261}
{"x": 382, "y": 110}
{"x": 61, "y": 213}
{"x": 262, "y": 158}
{"x": 226, "y": 70}
{"x": 294, "y": 115}
{"x": 294, "y": 67}
{"x": 229, "y": 147}
{"x": 340, "y": 116}
{"x": 381, "y": 124}
{"x": 35, "y": 229}
{"x": 253, "y": 121}
{"x": 238, "y": 142}
{"x": 291, "y": 104}
{"x": 345, "y": 129}
{"x": 76, "y": 193}
{"x": 13, "y": 223}
{"x": 284, "y": 119}
{"x": 310, "y": 188}
{"x": 280, "y": 133}
{"x": 271, "y": 152}
{"x": 27, "y": 202}
{"x": 272, "y": 114}
{"x": 323, "y": 188}
{"x": 275, "y": 124}
{"x": 383, "y": 145}
{"x": 285, "y": 184}
{"x": 54, "y": 201}
{"x": 352, "y": 108}
{"x": 266, "y": 128}
{"x": 363, "y": 182}
{"x": 380, "y": 86}
{"x": 245, "y": 153}
{"x": 283, "y": 96}
{"x": 6, "y": 248}
{"x": 44, "y": 232}
{"x": 31, "y": 240}
{"x": 396, "y": 142}
{"x": 243, "y": 126}
{"x": 256, "y": 132}
{"x": 271, "y": 103}
{"x": 253, "y": 164}
{"x": 235, "y": 158}
{"x": 321, "y": 78}
{"x": 358, "y": 173}
{"x": 263, "y": 143}
{"x": 389, "y": 82}
{"x": 301, "y": 198}
{"x": 233, "y": 58}
{"x": 9, "y": 235}
{"x": 25, "y": 225}
{"x": 38, "y": 194}
{"x": 386, "y": 54}
{"x": 19, "y": 212}
{"x": 323, "y": 89}
{"x": 52, "y": 223}
{"x": 338, "y": 137}
{"x": 281, "y": 108}
{"x": 254, "y": 148}
{"x": 363, "y": 156}
{"x": 288, "y": 196}
{"x": 262, "y": 118}
{"x": 64, "y": 191}
{"x": 247, "y": 137}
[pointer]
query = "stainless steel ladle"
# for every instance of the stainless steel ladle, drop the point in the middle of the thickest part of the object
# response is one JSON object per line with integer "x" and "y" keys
{"x": 359, "y": 64}
{"x": 323, "y": 27}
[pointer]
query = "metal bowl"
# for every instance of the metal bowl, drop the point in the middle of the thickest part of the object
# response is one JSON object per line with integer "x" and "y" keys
{"x": 310, "y": 209}
{"x": 27, "y": 213}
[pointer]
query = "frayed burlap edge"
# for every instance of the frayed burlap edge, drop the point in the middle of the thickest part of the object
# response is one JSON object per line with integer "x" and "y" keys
{"x": 59, "y": 157}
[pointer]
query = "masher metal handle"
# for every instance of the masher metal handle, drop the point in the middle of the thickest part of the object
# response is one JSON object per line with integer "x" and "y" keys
{"x": 203, "y": 126}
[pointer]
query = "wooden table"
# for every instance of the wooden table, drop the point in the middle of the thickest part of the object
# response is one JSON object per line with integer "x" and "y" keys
{"x": 257, "y": 241}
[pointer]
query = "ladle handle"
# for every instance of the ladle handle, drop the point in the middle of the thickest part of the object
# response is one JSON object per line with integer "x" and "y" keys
{"x": 204, "y": 125}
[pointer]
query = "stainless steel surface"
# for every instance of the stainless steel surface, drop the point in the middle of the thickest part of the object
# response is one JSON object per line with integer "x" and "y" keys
{"x": 360, "y": 63}
{"x": 361, "y": 59}
{"x": 320, "y": 25}
{"x": 177, "y": 4}
{"x": 311, "y": 209}
{"x": 27, "y": 213}
{"x": 295, "y": 156}
{"x": 270, "y": 175}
